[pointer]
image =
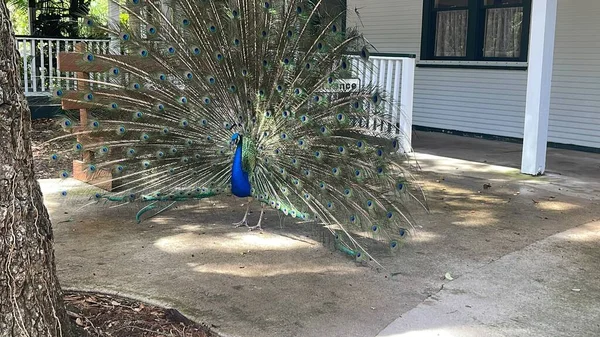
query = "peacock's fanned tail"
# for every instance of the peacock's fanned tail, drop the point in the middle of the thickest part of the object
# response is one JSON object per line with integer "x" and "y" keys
{"x": 196, "y": 71}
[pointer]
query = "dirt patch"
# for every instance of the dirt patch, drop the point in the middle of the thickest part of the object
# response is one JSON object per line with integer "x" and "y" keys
{"x": 102, "y": 315}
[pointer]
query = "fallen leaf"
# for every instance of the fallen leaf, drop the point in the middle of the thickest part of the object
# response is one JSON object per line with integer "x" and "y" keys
{"x": 79, "y": 321}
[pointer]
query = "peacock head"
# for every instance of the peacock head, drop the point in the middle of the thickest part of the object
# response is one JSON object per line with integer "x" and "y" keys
{"x": 236, "y": 138}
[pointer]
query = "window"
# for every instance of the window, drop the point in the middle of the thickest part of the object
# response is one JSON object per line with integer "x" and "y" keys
{"x": 475, "y": 30}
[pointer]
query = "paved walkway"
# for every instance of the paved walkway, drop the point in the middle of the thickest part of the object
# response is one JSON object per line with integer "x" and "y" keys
{"x": 515, "y": 251}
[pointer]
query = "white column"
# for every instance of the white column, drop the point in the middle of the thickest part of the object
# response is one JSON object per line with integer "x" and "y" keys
{"x": 114, "y": 20}
{"x": 539, "y": 80}
{"x": 406, "y": 102}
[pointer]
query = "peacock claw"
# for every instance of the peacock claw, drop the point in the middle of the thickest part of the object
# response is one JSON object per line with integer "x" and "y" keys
{"x": 240, "y": 224}
{"x": 250, "y": 229}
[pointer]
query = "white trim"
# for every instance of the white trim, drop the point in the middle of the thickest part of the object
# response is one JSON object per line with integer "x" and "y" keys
{"x": 473, "y": 63}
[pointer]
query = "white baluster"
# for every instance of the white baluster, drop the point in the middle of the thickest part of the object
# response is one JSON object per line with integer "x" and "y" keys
{"x": 25, "y": 71}
{"x": 396, "y": 95}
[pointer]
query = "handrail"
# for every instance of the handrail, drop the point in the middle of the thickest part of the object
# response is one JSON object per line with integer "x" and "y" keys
{"x": 59, "y": 38}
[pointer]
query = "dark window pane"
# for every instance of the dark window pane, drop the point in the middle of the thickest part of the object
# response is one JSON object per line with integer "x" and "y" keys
{"x": 451, "y": 3}
{"x": 503, "y": 28}
{"x": 502, "y": 2}
{"x": 451, "y": 33}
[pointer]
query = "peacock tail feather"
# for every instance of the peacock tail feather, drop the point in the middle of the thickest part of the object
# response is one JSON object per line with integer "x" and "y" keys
{"x": 195, "y": 72}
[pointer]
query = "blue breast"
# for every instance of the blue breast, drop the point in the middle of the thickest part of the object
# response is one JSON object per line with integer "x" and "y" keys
{"x": 240, "y": 184}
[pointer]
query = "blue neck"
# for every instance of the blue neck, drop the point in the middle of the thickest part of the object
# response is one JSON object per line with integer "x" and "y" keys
{"x": 240, "y": 184}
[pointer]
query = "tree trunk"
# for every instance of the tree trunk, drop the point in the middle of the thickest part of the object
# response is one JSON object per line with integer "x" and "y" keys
{"x": 30, "y": 297}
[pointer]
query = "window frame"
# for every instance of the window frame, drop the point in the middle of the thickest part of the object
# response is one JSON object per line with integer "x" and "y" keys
{"x": 475, "y": 32}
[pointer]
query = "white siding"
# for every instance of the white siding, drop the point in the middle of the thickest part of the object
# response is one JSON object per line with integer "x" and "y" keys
{"x": 493, "y": 101}
{"x": 473, "y": 100}
{"x": 575, "y": 102}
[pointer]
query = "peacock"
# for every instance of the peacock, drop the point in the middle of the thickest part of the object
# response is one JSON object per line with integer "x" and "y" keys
{"x": 242, "y": 97}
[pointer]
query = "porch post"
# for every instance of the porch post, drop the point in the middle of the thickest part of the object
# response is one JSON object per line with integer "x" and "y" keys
{"x": 114, "y": 19}
{"x": 406, "y": 101}
{"x": 539, "y": 80}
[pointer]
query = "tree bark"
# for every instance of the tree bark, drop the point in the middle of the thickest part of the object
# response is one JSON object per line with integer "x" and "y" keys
{"x": 30, "y": 297}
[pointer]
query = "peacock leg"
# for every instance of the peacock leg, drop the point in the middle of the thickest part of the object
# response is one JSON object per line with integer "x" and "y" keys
{"x": 262, "y": 211}
{"x": 244, "y": 221}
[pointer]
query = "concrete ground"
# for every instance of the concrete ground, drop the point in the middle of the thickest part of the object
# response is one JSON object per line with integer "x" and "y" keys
{"x": 522, "y": 254}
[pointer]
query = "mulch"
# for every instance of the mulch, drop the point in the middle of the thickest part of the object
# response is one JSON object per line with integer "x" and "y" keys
{"x": 101, "y": 315}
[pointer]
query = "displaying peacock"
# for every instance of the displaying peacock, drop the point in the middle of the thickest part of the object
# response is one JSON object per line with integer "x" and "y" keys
{"x": 239, "y": 96}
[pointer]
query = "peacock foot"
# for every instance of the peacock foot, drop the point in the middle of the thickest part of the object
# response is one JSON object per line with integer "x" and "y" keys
{"x": 255, "y": 228}
{"x": 244, "y": 222}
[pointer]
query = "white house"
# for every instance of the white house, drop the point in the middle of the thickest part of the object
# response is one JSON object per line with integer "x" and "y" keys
{"x": 485, "y": 66}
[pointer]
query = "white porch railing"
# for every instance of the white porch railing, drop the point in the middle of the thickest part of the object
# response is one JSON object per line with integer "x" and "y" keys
{"x": 395, "y": 74}
{"x": 39, "y": 57}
